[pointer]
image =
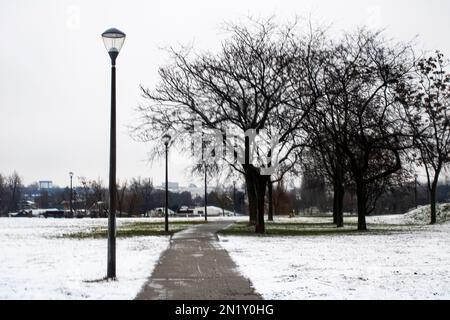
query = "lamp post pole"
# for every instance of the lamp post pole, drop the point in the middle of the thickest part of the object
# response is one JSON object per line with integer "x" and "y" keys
{"x": 166, "y": 205}
{"x": 85, "y": 197}
{"x": 206, "y": 193}
{"x": 166, "y": 140}
{"x": 71, "y": 195}
{"x": 112, "y": 178}
{"x": 234, "y": 198}
{"x": 113, "y": 40}
{"x": 415, "y": 191}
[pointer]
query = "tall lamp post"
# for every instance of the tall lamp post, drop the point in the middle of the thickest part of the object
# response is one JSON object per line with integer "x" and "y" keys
{"x": 415, "y": 190}
{"x": 206, "y": 192}
{"x": 166, "y": 139}
{"x": 71, "y": 195}
{"x": 234, "y": 198}
{"x": 113, "y": 40}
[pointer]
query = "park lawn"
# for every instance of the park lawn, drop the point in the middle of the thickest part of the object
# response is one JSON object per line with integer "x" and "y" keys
{"x": 134, "y": 229}
{"x": 38, "y": 262}
{"x": 310, "y": 260}
{"x": 308, "y": 228}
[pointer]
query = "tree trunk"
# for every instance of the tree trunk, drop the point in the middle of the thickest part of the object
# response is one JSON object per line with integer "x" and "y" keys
{"x": 338, "y": 209}
{"x": 251, "y": 175}
{"x": 433, "y": 202}
{"x": 338, "y": 205}
{"x": 251, "y": 194}
{"x": 270, "y": 195}
{"x": 339, "y": 191}
{"x": 362, "y": 205}
{"x": 335, "y": 205}
{"x": 261, "y": 185}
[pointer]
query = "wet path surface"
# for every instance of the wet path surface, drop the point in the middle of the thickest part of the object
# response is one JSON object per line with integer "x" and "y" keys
{"x": 195, "y": 267}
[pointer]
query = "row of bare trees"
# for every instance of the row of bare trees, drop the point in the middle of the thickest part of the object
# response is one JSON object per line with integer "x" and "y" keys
{"x": 361, "y": 110}
{"x": 10, "y": 192}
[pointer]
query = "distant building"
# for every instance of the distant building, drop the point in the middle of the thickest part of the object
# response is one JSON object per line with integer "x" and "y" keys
{"x": 173, "y": 186}
{"x": 176, "y": 188}
{"x": 45, "y": 185}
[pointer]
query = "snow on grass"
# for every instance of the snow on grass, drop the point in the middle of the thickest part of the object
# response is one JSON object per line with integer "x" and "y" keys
{"x": 423, "y": 214}
{"x": 36, "y": 264}
{"x": 409, "y": 264}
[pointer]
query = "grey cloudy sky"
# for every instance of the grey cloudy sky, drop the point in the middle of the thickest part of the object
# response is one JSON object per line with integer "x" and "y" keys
{"x": 54, "y": 70}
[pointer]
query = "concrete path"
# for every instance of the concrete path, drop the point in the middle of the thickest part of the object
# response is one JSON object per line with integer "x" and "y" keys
{"x": 195, "y": 267}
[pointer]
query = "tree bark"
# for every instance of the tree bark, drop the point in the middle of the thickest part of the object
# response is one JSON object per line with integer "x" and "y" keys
{"x": 251, "y": 194}
{"x": 338, "y": 204}
{"x": 250, "y": 181}
{"x": 335, "y": 205}
{"x": 339, "y": 190}
{"x": 261, "y": 185}
{"x": 433, "y": 202}
{"x": 270, "y": 195}
{"x": 362, "y": 205}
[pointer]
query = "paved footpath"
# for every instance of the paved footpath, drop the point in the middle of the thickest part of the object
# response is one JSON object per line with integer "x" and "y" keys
{"x": 195, "y": 267}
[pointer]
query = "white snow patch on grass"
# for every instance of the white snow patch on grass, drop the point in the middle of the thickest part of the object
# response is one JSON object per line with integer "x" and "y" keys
{"x": 34, "y": 264}
{"x": 423, "y": 214}
{"x": 410, "y": 264}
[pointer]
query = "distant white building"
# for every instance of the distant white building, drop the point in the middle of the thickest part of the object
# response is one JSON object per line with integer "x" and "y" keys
{"x": 175, "y": 186}
{"x": 45, "y": 185}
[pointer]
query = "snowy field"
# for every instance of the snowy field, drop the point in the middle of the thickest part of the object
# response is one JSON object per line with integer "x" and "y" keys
{"x": 34, "y": 264}
{"x": 409, "y": 264}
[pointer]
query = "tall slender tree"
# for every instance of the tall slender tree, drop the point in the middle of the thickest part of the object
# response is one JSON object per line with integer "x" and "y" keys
{"x": 426, "y": 100}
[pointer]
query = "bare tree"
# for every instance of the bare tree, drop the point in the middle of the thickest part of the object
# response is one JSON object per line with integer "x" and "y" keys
{"x": 426, "y": 98}
{"x": 282, "y": 199}
{"x": 255, "y": 82}
{"x": 85, "y": 184}
{"x": 14, "y": 185}
{"x": 121, "y": 189}
{"x": 222, "y": 197}
{"x": 3, "y": 195}
{"x": 358, "y": 111}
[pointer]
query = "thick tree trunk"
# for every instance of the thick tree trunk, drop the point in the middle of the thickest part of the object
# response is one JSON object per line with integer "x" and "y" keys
{"x": 433, "y": 202}
{"x": 270, "y": 195}
{"x": 362, "y": 205}
{"x": 339, "y": 191}
{"x": 338, "y": 205}
{"x": 261, "y": 186}
{"x": 251, "y": 195}
{"x": 335, "y": 205}
{"x": 251, "y": 176}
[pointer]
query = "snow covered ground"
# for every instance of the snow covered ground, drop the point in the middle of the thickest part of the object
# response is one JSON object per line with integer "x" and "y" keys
{"x": 409, "y": 264}
{"x": 36, "y": 265}
{"x": 422, "y": 215}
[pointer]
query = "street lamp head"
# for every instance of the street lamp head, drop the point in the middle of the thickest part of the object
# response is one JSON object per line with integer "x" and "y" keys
{"x": 166, "y": 139}
{"x": 113, "y": 40}
{"x": 71, "y": 174}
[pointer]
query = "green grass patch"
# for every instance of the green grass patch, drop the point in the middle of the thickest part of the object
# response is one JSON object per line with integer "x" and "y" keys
{"x": 311, "y": 229}
{"x": 134, "y": 229}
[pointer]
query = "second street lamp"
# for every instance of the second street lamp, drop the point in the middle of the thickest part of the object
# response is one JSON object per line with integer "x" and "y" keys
{"x": 206, "y": 191}
{"x": 166, "y": 139}
{"x": 234, "y": 197}
{"x": 71, "y": 195}
{"x": 113, "y": 40}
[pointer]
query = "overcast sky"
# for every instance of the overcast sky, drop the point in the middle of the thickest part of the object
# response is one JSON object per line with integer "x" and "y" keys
{"x": 54, "y": 70}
